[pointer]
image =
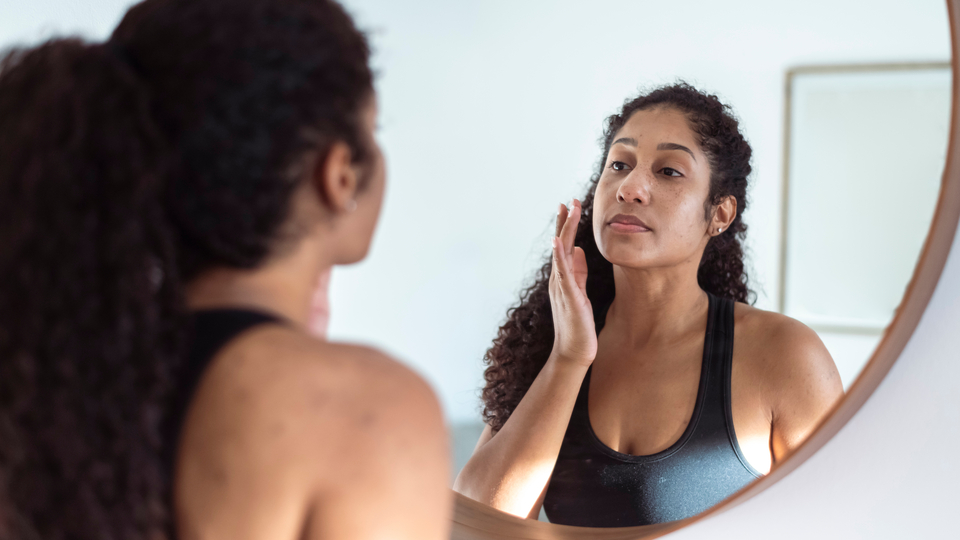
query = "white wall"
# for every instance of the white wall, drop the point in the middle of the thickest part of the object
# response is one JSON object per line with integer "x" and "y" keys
{"x": 33, "y": 20}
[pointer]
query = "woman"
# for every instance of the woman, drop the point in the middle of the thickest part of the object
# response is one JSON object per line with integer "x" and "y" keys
{"x": 168, "y": 202}
{"x": 633, "y": 384}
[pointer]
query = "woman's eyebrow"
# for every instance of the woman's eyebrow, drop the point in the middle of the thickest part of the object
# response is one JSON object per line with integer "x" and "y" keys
{"x": 630, "y": 141}
{"x": 675, "y": 146}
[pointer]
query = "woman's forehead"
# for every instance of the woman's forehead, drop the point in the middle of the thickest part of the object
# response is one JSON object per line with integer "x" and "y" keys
{"x": 659, "y": 124}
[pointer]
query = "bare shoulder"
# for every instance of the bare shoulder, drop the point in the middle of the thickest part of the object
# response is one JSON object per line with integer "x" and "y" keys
{"x": 783, "y": 353}
{"x": 282, "y": 392}
{"x": 349, "y": 387}
{"x": 298, "y": 426}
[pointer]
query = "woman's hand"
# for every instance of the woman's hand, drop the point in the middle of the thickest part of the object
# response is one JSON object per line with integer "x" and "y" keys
{"x": 575, "y": 335}
{"x": 510, "y": 468}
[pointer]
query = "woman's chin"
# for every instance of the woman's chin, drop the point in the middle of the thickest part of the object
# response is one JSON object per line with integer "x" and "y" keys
{"x": 636, "y": 257}
{"x": 352, "y": 255}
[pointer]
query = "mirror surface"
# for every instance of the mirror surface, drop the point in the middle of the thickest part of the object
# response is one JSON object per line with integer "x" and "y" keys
{"x": 490, "y": 116}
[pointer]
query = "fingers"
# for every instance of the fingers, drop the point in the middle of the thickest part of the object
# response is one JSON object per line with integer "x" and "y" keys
{"x": 569, "y": 231}
{"x": 563, "y": 248}
{"x": 561, "y": 218}
{"x": 562, "y": 271}
{"x": 578, "y": 263}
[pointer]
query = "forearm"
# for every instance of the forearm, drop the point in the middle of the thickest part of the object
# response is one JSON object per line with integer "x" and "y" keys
{"x": 510, "y": 471}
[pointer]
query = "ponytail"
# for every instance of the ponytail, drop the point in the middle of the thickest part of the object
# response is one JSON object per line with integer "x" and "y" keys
{"x": 90, "y": 300}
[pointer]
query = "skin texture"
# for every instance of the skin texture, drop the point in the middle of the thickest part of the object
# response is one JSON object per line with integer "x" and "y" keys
{"x": 320, "y": 306}
{"x": 289, "y": 436}
{"x": 646, "y": 360}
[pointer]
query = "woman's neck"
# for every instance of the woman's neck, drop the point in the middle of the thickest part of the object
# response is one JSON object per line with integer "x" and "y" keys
{"x": 283, "y": 286}
{"x": 656, "y": 305}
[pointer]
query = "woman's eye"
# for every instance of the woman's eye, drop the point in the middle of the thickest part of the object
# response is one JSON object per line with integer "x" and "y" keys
{"x": 618, "y": 166}
{"x": 670, "y": 172}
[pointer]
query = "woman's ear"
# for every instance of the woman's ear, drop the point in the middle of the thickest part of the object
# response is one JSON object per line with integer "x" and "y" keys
{"x": 335, "y": 178}
{"x": 723, "y": 216}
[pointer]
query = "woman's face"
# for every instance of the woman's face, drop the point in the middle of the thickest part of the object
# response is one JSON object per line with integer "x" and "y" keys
{"x": 649, "y": 205}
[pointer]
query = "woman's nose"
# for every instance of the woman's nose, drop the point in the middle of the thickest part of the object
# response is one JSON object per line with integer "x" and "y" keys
{"x": 635, "y": 187}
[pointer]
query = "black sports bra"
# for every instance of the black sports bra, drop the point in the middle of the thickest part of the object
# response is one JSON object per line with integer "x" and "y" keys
{"x": 595, "y": 486}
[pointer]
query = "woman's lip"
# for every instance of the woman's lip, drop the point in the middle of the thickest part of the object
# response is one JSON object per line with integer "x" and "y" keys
{"x": 627, "y": 227}
{"x": 628, "y": 223}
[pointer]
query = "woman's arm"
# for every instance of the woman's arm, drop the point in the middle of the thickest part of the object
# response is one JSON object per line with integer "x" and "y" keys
{"x": 510, "y": 469}
{"x": 802, "y": 381}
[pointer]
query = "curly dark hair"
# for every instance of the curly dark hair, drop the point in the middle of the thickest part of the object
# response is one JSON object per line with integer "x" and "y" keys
{"x": 525, "y": 341}
{"x": 125, "y": 169}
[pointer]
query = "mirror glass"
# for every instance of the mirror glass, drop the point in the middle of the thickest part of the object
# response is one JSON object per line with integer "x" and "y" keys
{"x": 490, "y": 116}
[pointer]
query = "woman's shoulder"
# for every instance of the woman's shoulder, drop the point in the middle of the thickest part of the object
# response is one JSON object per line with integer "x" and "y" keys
{"x": 771, "y": 329}
{"x": 284, "y": 365}
{"x": 332, "y": 401}
{"x": 781, "y": 351}
{"x": 332, "y": 427}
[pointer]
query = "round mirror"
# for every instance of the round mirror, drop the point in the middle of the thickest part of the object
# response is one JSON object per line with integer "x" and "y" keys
{"x": 490, "y": 118}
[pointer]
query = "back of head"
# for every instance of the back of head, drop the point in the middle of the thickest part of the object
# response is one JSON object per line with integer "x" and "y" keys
{"x": 126, "y": 168}
{"x": 245, "y": 88}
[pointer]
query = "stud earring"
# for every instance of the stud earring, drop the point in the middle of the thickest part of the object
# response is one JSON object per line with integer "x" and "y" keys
{"x": 719, "y": 230}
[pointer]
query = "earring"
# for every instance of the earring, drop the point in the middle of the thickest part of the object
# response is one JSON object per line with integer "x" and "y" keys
{"x": 719, "y": 230}
{"x": 351, "y": 206}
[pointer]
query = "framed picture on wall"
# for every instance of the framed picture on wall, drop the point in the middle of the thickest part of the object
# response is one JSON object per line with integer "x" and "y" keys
{"x": 853, "y": 225}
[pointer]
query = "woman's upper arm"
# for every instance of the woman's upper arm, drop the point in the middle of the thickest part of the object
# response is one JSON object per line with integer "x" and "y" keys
{"x": 804, "y": 384}
{"x": 485, "y": 437}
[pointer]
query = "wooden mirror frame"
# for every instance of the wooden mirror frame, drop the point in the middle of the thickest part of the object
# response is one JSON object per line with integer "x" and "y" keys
{"x": 476, "y": 521}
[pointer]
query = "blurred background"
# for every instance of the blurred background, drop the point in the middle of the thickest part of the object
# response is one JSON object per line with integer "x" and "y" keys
{"x": 490, "y": 114}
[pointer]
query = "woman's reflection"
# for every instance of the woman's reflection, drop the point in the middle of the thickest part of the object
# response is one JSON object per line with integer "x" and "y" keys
{"x": 633, "y": 384}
